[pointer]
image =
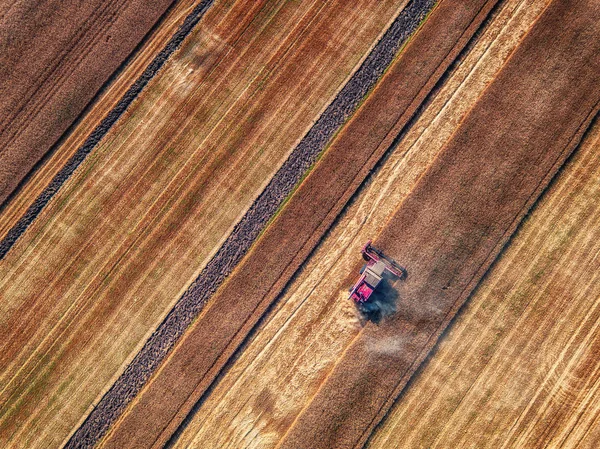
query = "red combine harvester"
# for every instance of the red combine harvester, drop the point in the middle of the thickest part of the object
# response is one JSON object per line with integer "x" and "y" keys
{"x": 372, "y": 274}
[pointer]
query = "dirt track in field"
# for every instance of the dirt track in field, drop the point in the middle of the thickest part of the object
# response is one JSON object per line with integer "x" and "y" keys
{"x": 209, "y": 339}
{"x": 135, "y": 223}
{"x": 290, "y": 354}
{"x": 454, "y": 223}
{"x": 519, "y": 366}
{"x": 55, "y": 57}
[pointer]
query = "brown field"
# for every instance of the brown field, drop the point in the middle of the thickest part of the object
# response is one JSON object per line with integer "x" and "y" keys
{"x": 454, "y": 164}
{"x": 519, "y": 367}
{"x": 55, "y": 57}
{"x": 453, "y": 224}
{"x": 282, "y": 367}
{"x": 230, "y": 315}
{"x": 106, "y": 100}
{"x": 135, "y": 224}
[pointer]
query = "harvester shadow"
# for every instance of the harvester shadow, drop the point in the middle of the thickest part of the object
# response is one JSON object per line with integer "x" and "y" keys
{"x": 383, "y": 301}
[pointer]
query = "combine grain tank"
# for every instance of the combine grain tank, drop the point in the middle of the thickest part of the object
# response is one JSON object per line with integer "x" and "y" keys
{"x": 372, "y": 274}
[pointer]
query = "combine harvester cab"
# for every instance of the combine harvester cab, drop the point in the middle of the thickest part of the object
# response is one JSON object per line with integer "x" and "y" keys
{"x": 371, "y": 275}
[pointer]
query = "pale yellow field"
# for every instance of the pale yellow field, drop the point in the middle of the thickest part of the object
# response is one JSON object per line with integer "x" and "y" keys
{"x": 104, "y": 262}
{"x": 278, "y": 372}
{"x": 520, "y": 366}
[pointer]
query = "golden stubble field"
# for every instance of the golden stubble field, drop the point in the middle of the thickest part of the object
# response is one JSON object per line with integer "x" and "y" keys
{"x": 519, "y": 367}
{"x": 106, "y": 260}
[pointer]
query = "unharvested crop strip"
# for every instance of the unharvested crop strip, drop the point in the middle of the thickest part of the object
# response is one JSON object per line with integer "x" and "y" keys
{"x": 250, "y": 226}
{"x": 460, "y": 215}
{"x": 223, "y": 326}
{"x": 111, "y": 118}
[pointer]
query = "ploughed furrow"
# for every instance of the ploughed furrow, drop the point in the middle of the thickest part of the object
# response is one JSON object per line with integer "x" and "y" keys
{"x": 519, "y": 366}
{"x": 56, "y": 56}
{"x": 230, "y": 315}
{"x": 116, "y": 247}
{"x": 463, "y": 210}
{"x": 286, "y": 359}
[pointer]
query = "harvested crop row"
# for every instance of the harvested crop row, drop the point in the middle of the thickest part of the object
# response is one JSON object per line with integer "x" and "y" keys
{"x": 56, "y": 55}
{"x": 298, "y": 343}
{"x": 133, "y": 226}
{"x": 477, "y": 191}
{"x": 519, "y": 367}
{"x": 227, "y": 319}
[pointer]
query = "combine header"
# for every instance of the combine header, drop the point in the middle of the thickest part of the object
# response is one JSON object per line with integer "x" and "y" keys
{"x": 372, "y": 274}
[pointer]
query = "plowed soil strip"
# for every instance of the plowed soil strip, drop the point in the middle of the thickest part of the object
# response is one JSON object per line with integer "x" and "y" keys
{"x": 111, "y": 118}
{"x": 462, "y": 212}
{"x": 55, "y": 57}
{"x": 236, "y": 308}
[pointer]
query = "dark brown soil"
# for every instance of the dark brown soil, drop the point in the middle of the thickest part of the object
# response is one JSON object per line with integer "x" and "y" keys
{"x": 462, "y": 212}
{"x": 55, "y": 56}
{"x": 257, "y": 282}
